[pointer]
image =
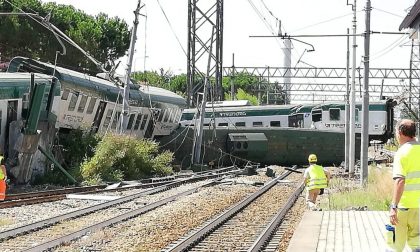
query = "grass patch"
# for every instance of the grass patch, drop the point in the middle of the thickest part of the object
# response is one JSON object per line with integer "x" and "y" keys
{"x": 347, "y": 195}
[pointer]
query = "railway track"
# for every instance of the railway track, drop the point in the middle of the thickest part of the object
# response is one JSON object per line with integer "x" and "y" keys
{"x": 78, "y": 223}
{"x": 249, "y": 225}
{"x": 14, "y": 200}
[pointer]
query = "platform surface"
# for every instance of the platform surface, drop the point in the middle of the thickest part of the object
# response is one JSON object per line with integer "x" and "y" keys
{"x": 326, "y": 231}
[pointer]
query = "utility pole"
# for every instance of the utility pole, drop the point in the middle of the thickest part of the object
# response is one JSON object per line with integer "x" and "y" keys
{"x": 287, "y": 64}
{"x": 232, "y": 79}
{"x": 347, "y": 119}
{"x": 352, "y": 136}
{"x": 126, "y": 93}
{"x": 365, "y": 106}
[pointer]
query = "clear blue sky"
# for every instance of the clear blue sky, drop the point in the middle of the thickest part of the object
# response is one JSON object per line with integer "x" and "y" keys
{"x": 242, "y": 20}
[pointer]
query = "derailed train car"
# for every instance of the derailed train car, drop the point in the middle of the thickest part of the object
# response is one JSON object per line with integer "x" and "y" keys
{"x": 71, "y": 100}
{"x": 282, "y": 146}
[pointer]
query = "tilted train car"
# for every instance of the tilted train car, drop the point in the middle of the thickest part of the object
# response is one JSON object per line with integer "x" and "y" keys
{"x": 88, "y": 101}
{"x": 72, "y": 100}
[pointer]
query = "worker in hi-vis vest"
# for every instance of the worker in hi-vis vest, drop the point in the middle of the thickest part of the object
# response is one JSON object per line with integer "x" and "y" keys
{"x": 404, "y": 210}
{"x": 316, "y": 179}
{"x": 3, "y": 178}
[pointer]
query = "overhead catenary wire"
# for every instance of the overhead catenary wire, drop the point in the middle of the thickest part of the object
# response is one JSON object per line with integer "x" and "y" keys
{"x": 172, "y": 29}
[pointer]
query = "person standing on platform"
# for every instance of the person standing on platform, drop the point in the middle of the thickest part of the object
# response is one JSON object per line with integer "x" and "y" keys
{"x": 404, "y": 211}
{"x": 3, "y": 178}
{"x": 316, "y": 180}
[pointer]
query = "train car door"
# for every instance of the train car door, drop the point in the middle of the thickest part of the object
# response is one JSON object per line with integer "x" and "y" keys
{"x": 98, "y": 117}
{"x": 12, "y": 108}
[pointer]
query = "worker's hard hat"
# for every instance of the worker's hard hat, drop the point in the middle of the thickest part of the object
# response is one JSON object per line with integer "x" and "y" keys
{"x": 312, "y": 158}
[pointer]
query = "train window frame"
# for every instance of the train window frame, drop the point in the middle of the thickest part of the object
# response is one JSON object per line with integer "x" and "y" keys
{"x": 144, "y": 122}
{"x": 223, "y": 124}
{"x": 240, "y": 124}
{"x": 275, "y": 124}
{"x": 91, "y": 106}
{"x": 131, "y": 121}
{"x": 334, "y": 117}
{"x": 65, "y": 95}
{"x": 73, "y": 102}
{"x": 316, "y": 113}
{"x": 115, "y": 120}
{"x": 356, "y": 115}
{"x": 108, "y": 117}
{"x": 257, "y": 124}
{"x": 137, "y": 121}
{"x": 82, "y": 103}
{"x": 167, "y": 115}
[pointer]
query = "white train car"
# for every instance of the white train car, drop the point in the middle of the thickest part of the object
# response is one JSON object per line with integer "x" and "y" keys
{"x": 328, "y": 116}
{"x": 92, "y": 102}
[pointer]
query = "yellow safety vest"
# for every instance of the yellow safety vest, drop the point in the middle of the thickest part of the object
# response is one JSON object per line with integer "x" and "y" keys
{"x": 317, "y": 177}
{"x": 1, "y": 170}
{"x": 409, "y": 158}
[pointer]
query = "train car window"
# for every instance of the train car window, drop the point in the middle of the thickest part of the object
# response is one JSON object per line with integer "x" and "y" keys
{"x": 82, "y": 104}
{"x": 240, "y": 124}
{"x": 108, "y": 118}
{"x": 130, "y": 121}
{"x": 223, "y": 124}
{"x": 143, "y": 124}
{"x": 138, "y": 121}
{"x": 257, "y": 124}
{"x": 167, "y": 114}
{"x": 357, "y": 115}
{"x": 65, "y": 95}
{"x": 162, "y": 112}
{"x": 25, "y": 101}
{"x": 275, "y": 124}
{"x": 335, "y": 114}
{"x": 116, "y": 119}
{"x": 73, "y": 101}
{"x": 317, "y": 115}
{"x": 206, "y": 124}
{"x": 91, "y": 106}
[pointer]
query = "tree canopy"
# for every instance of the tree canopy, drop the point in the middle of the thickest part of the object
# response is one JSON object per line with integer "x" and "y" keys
{"x": 105, "y": 38}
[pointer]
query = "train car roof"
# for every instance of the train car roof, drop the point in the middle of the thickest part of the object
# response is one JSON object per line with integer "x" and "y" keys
{"x": 373, "y": 106}
{"x": 155, "y": 94}
{"x": 24, "y": 76}
{"x": 246, "y": 108}
{"x": 236, "y": 103}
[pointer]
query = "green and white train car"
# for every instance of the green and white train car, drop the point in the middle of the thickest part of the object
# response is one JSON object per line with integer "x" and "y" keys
{"x": 322, "y": 117}
{"x": 92, "y": 102}
{"x": 14, "y": 101}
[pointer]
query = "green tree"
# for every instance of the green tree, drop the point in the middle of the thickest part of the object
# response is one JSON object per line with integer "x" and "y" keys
{"x": 106, "y": 39}
{"x": 243, "y": 95}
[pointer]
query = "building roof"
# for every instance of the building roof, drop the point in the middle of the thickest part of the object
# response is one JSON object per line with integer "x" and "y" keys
{"x": 411, "y": 17}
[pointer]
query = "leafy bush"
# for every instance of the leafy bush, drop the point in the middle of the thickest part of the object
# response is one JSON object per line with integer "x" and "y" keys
{"x": 123, "y": 157}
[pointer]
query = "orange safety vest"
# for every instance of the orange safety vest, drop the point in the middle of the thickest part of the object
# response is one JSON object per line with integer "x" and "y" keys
{"x": 2, "y": 190}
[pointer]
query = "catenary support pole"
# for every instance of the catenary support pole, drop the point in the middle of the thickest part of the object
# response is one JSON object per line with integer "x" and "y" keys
{"x": 347, "y": 119}
{"x": 126, "y": 93}
{"x": 365, "y": 105}
{"x": 352, "y": 137}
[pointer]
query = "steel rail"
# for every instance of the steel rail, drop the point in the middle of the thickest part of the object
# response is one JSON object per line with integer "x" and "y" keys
{"x": 14, "y": 200}
{"x": 266, "y": 235}
{"x": 67, "y": 238}
{"x": 47, "y": 222}
{"x": 200, "y": 234}
{"x": 21, "y": 196}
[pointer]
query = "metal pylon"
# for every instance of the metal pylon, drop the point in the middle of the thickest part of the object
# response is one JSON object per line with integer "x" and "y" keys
{"x": 205, "y": 18}
{"x": 414, "y": 82}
